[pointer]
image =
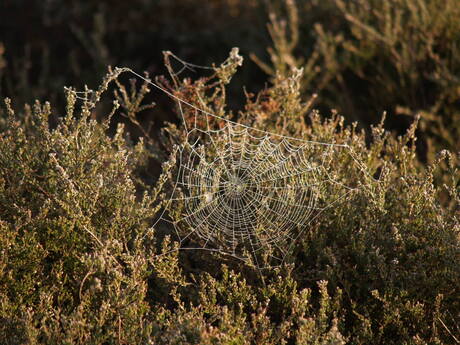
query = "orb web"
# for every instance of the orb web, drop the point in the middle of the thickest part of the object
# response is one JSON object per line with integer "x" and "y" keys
{"x": 245, "y": 192}
{"x": 249, "y": 193}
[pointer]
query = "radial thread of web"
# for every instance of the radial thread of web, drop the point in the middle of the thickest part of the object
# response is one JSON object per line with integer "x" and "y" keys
{"x": 245, "y": 192}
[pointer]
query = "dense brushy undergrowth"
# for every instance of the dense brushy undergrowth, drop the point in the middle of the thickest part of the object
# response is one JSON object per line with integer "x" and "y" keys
{"x": 81, "y": 264}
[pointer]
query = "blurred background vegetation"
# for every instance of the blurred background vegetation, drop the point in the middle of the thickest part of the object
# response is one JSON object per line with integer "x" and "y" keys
{"x": 361, "y": 57}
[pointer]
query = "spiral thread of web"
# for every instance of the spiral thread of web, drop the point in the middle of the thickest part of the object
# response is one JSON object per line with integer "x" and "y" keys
{"x": 239, "y": 191}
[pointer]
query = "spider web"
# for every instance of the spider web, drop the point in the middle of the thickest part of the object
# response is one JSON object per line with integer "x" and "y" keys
{"x": 248, "y": 193}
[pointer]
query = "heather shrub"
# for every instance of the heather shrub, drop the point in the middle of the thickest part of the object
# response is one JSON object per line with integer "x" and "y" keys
{"x": 366, "y": 57}
{"x": 84, "y": 260}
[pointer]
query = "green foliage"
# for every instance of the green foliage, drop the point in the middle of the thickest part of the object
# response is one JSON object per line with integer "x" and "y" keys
{"x": 368, "y": 56}
{"x": 81, "y": 263}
